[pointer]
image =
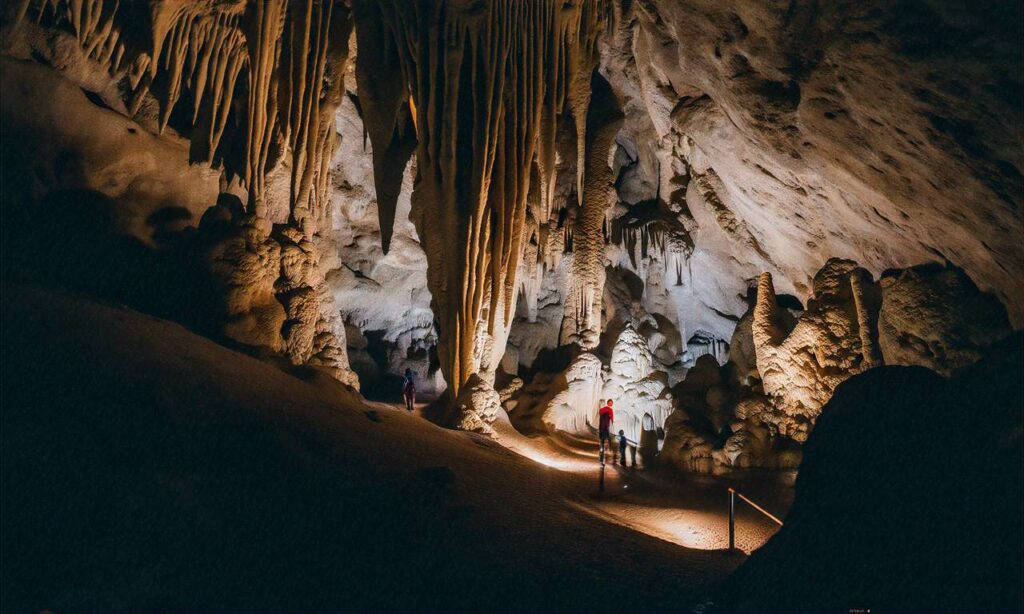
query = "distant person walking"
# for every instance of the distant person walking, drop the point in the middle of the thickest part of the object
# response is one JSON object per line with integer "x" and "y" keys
{"x": 409, "y": 389}
{"x": 622, "y": 447}
{"x": 605, "y": 419}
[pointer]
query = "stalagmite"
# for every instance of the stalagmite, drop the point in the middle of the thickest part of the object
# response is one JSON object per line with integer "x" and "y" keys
{"x": 869, "y": 348}
{"x": 636, "y": 386}
{"x": 802, "y": 368}
{"x": 766, "y": 330}
{"x": 574, "y": 408}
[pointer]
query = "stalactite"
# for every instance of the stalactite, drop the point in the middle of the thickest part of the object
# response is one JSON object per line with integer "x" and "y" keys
{"x": 288, "y": 59}
{"x": 480, "y": 78}
{"x": 264, "y": 27}
{"x": 387, "y": 111}
{"x": 582, "y": 59}
{"x": 311, "y": 91}
{"x": 292, "y": 80}
{"x": 584, "y": 304}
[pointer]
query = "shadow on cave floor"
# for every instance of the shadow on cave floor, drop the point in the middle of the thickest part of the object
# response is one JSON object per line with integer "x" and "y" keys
{"x": 144, "y": 466}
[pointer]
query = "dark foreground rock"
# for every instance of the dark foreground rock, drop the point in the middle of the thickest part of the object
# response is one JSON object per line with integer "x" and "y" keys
{"x": 909, "y": 498}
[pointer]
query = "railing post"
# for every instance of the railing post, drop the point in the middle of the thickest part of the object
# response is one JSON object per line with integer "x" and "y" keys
{"x": 732, "y": 519}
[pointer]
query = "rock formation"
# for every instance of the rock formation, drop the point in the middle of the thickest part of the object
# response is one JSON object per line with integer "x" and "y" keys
{"x": 636, "y": 387}
{"x": 801, "y": 368}
{"x": 573, "y": 409}
{"x": 253, "y": 89}
{"x": 383, "y": 298}
{"x": 479, "y": 118}
{"x": 936, "y": 318}
{"x": 886, "y": 439}
{"x": 577, "y": 196}
{"x": 582, "y": 323}
{"x": 479, "y": 407}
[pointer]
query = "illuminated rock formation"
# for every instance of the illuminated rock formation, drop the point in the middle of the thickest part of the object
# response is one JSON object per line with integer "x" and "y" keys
{"x": 479, "y": 407}
{"x": 687, "y": 447}
{"x": 582, "y": 324}
{"x": 838, "y": 131}
{"x": 478, "y": 112}
{"x": 574, "y": 407}
{"x": 635, "y": 386}
{"x": 253, "y": 87}
{"x": 383, "y": 297}
{"x": 244, "y": 262}
{"x": 577, "y": 193}
{"x": 801, "y": 368}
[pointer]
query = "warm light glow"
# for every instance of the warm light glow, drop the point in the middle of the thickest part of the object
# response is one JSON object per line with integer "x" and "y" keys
{"x": 684, "y": 527}
{"x": 690, "y": 528}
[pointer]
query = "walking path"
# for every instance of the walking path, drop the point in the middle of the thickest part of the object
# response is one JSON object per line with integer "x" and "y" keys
{"x": 688, "y": 510}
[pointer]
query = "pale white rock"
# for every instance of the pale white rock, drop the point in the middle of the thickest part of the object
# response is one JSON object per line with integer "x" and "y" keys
{"x": 635, "y": 387}
{"x": 574, "y": 407}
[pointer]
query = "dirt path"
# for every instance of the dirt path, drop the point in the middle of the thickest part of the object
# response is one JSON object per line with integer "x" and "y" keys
{"x": 690, "y": 511}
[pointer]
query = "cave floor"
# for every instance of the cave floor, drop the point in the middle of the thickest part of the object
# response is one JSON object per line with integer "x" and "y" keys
{"x": 146, "y": 466}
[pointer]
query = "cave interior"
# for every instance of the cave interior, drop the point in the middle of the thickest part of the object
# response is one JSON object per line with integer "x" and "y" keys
{"x": 315, "y": 304}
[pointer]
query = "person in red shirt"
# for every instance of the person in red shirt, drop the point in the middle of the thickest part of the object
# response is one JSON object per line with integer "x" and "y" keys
{"x": 605, "y": 419}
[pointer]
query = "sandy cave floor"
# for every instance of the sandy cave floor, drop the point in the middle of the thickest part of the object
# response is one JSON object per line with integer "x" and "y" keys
{"x": 144, "y": 465}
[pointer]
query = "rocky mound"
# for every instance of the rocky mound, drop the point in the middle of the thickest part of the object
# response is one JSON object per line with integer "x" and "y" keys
{"x": 909, "y": 497}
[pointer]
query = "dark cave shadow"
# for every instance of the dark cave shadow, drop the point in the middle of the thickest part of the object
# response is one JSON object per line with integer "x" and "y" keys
{"x": 71, "y": 238}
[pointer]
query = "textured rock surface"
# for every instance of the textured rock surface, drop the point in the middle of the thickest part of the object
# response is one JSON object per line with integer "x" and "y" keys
{"x": 801, "y": 368}
{"x": 687, "y": 446}
{"x": 615, "y": 180}
{"x": 182, "y": 107}
{"x": 637, "y": 389}
{"x": 384, "y": 296}
{"x": 475, "y": 153}
{"x": 574, "y": 408}
{"x": 936, "y": 318}
{"x": 883, "y": 132}
{"x": 479, "y": 407}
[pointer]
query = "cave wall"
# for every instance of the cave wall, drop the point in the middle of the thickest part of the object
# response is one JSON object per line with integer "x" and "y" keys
{"x": 538, "y": 180}
{"x": 883, "y": 132}
{"x": 383, "y": 298}
{"x": 194, "y": 140}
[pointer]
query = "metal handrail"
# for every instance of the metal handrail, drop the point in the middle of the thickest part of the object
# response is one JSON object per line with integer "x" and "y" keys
{"x": 732, "y": 514}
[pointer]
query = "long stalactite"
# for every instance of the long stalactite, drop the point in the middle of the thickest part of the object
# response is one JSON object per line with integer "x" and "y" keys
{"x": 286, "y": 57}
{"x": 485, "y": 81}
{"x": 582, "y": 323}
